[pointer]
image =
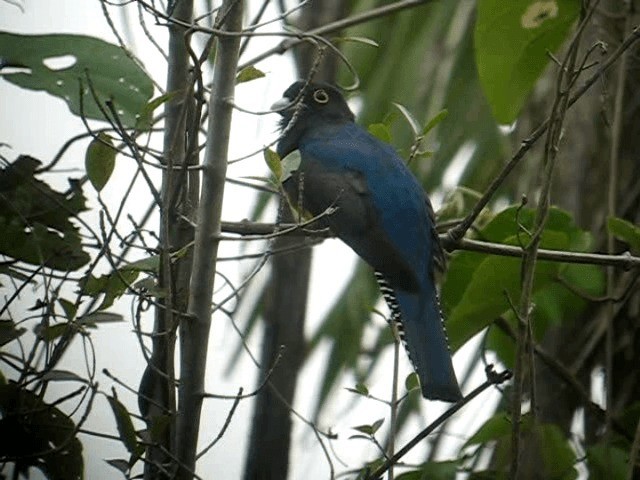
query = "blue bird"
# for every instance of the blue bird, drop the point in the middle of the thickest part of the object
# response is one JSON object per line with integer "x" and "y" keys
{"x": 366, "y": 195}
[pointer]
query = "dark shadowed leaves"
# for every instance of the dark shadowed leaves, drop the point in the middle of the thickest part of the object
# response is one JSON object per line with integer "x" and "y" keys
{"x": 125, "y": 427}
{"x": 38, "y": 435}
{"x": 35, "y": 220}
{"x": 546, "y": 442}
{"x": 432, "y": 471}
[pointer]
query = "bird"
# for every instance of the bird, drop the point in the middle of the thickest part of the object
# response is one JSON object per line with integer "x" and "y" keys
{"x": 360, "y": 188}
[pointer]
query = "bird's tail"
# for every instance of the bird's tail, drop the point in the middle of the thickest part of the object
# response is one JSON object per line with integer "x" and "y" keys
{"x": 421, "y": 329}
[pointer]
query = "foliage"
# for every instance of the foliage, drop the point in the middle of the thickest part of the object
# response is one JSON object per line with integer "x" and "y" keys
{"x": 36, "y": 220}
{"x": 37, "y": 434}
{"x": 509, "y": 69}
{"x": 90, "y": 73}
{"x": 470, "y": 307}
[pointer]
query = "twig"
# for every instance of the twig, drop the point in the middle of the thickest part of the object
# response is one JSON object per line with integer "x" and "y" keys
{"x": 224, "y": 426}
{"x": 493, "y": 378}
{"x": 338, "y": 25}
{"x": 394, "y": 397}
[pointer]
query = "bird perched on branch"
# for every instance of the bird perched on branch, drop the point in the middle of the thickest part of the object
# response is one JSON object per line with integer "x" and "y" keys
{"x": 367, "y": 196}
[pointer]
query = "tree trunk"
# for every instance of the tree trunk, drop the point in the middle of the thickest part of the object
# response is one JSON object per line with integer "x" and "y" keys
{"x": 285, "y": 307}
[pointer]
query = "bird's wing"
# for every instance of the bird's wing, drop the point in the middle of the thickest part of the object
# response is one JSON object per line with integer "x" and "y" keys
{"x": 380, "y": 210}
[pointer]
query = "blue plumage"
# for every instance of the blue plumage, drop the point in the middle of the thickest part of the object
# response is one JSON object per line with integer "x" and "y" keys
{"x": 380, "y": 211}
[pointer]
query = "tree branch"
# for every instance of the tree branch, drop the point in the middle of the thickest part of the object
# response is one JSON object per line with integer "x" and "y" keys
{"x": 194, "y": 330}
{"x": 625, "y": 260}
{"x": 493, "y": 378}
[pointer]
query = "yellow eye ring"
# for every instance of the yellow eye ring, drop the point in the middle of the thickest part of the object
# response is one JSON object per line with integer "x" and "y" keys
{"x": 320, "y": 96}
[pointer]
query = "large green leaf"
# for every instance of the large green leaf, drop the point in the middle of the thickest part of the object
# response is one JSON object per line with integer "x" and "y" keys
{"x": 35, "y": 220}
{"x": 513, "y": 40}
{"x": 65, "y": 65}
{"x": 478, "y": 287}
{"x": 607, "y": 461}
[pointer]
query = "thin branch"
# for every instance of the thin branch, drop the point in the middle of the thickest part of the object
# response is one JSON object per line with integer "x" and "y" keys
{"x": 625, "y": 260}
{"x": 338, "y": 25}
{"x": 226, "y": 424}
{"x": 493, "y": 378}
{"x": 565, "y": 79}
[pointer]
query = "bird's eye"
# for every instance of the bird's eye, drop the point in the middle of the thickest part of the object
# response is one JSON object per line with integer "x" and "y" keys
{"x": 321, "y": 96}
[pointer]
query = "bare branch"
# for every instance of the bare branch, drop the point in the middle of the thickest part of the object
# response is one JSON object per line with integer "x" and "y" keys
{"x": 194, "y": 331}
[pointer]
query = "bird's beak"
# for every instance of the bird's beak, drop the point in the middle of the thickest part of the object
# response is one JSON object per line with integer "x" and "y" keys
{"x": 281, "y": 105}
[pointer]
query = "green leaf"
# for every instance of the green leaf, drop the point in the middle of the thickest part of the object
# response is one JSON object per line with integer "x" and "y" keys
{"x": 360, "y": 389}
{"x": 272, "y": 159}
{"x": 363, "y": 40}
{"x": 478, "y": 287}
{"x": 69, "y": 308}
{"x": 65, "y": 65}
{"x": 149, "y": 264}
{"x": 558, "y": 456}
{"x": 625, "y": 231}
{"x": 62, "y": 376}
{"x": 370, "y": 429}
{"x": 249, "y": 73}
{"x": 94, "y": 318}
{"x": 119, "y": 464}
{"x": 144, "y": 122}
{"x": 112, "y": 285}
{"x": 159, "y": 426}
{"x": 100, "y": 160}
{"x": 290, "y": 164}
{"x": 125, "y": 427}
{"x": 49, "y": 333}
{"x": 494, "y": 428}
{"x": 512, "y": 41}
{"x": 412, "y": 382}
{"x": 381, "y": 131}
{"x": 607, "y": 461}
{"x": 375, "y": 426}
{"x": 39, "y": 435}
{"x": 431, "y": 124}
{"x": 369, "y": 467}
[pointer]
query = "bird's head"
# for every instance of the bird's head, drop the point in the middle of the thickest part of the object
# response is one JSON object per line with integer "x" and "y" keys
{"x": 308, "y": 105}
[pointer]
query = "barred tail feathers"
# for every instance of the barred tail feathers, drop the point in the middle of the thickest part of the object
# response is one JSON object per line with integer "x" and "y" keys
{"x": 421, "y": 329}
